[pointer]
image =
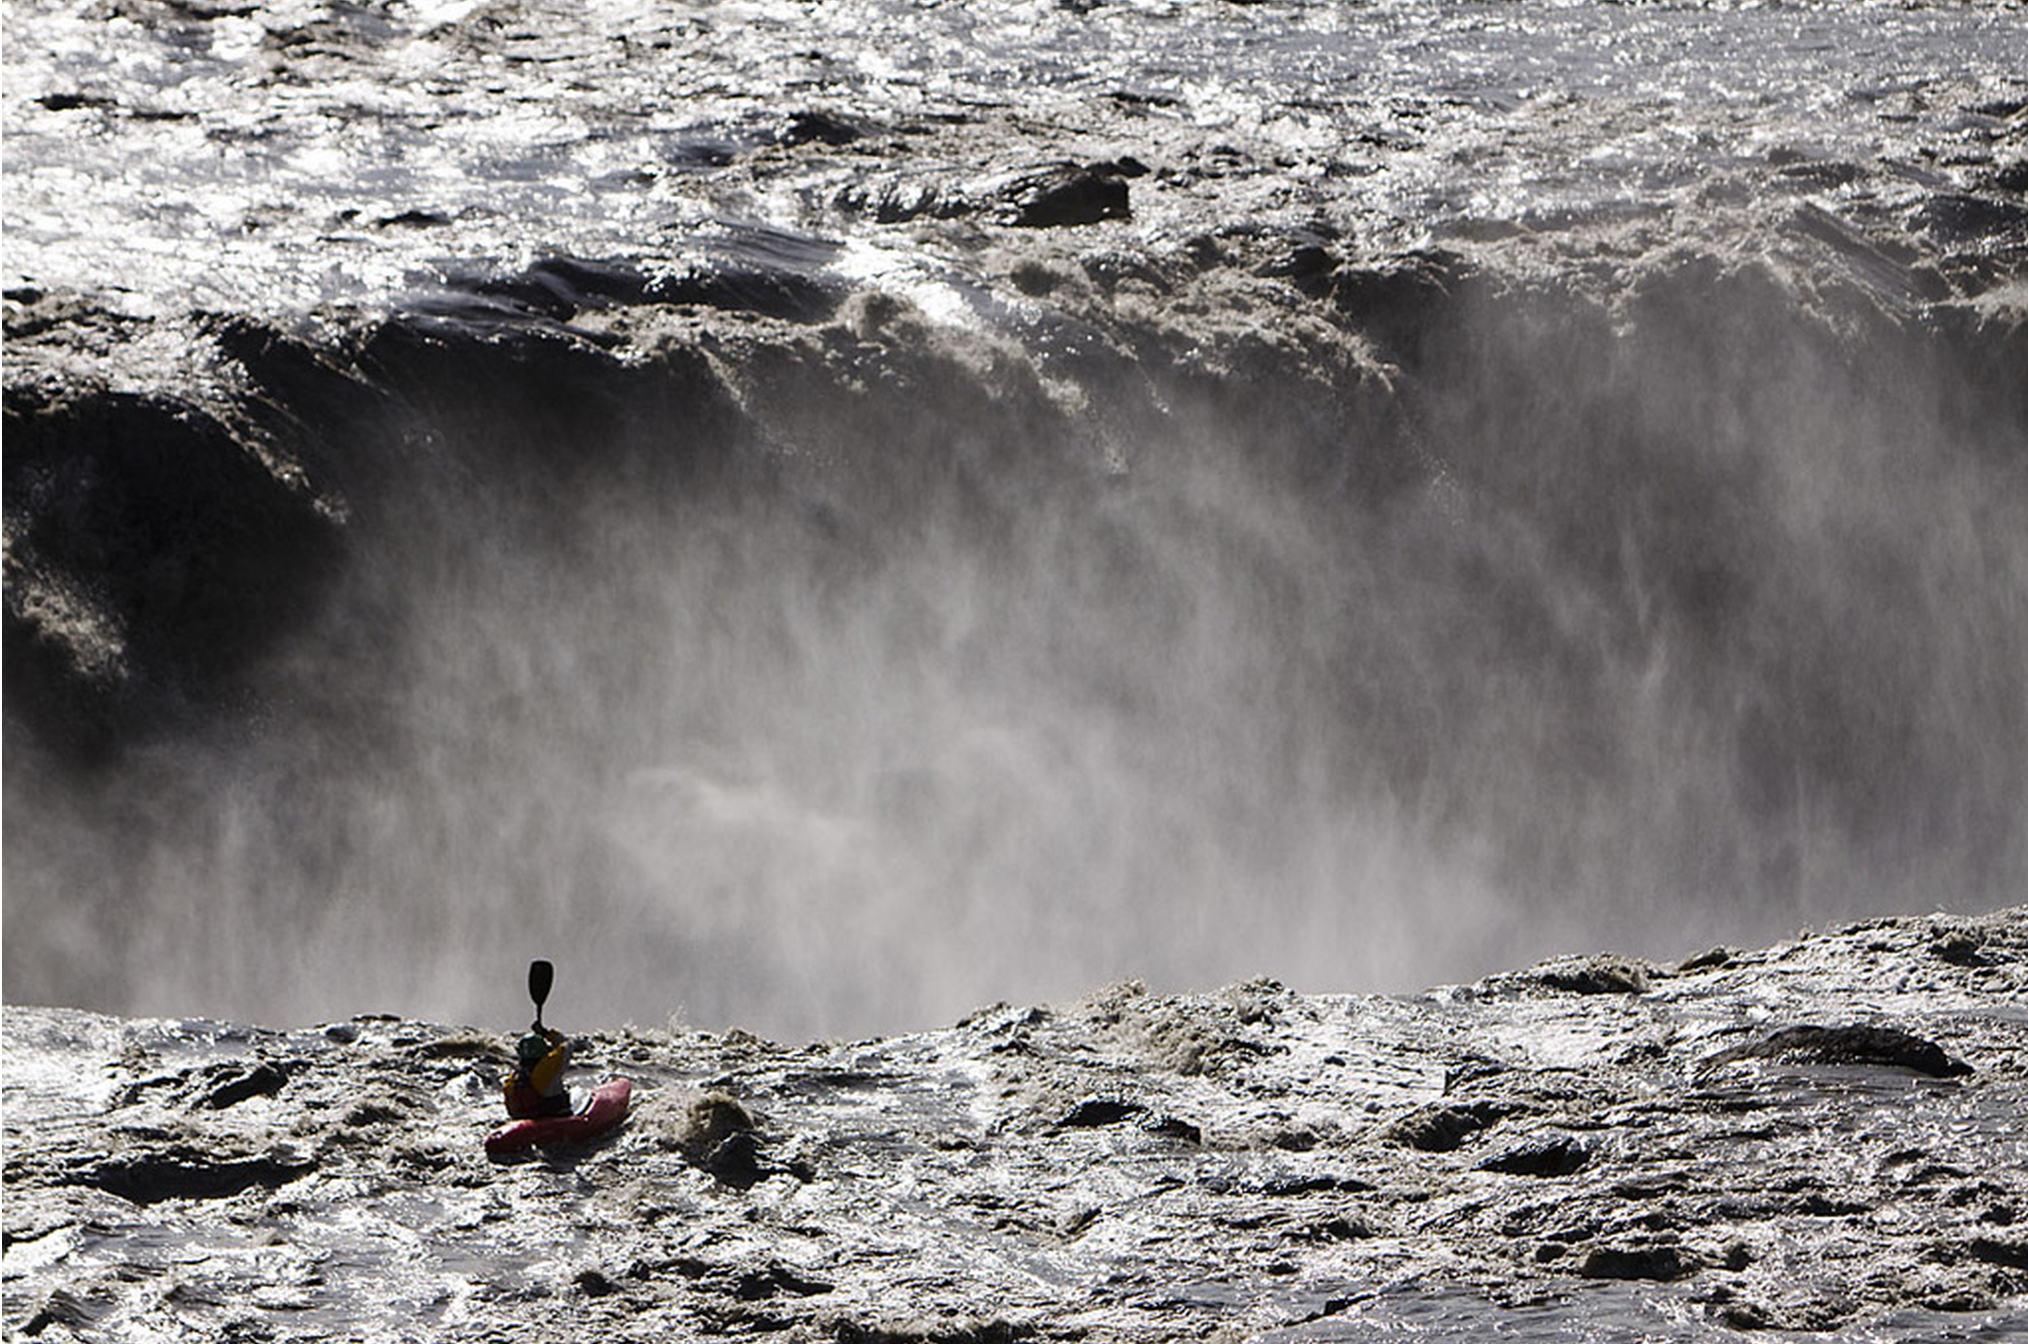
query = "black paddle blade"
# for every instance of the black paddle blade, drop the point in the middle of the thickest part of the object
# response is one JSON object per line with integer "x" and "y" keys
{"x": 540, "y": 975}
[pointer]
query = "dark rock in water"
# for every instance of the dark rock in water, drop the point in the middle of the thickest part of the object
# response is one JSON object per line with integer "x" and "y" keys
{"x": 594, "y": 1283}
{"x": 1958, "y": 947}
{"x": 1097, "y": 1111}
{"x": 1659, "y": 1261}
{"x": 815, "y": 127}
{"x": 368, "y": 1114}
{"x": 1345, "y": 1227}
{"x": 1554, "y": 1155}
{"x": 718, "y": 1135}
{"x": 237, "y": 1085}
{"x": 1283, "y": 1187}
{"x": 709, "y": 1121}
{"x": 72, "y": 102}
{"x": 757, "y": 1285}
{"x": 182, "y": 1174}
{"x": 1173, "y": 1127}
{"x": 693, "y": 153}
{"x": 414, "y": 219}
{"x": 1602, "y": 974}
{"x": 735, "y": 1160}
{"x": 897, "y": 198}
{"x": 1124, "y": 166}
{"x": 1440, "y": 1129}
{"x": 1065, "y": 195}
{"x": 2013, "y": 1253}
{"x": 1310, "y": 265}
{"x": 1856, "y": 1045}
{"x": 1100, "y": 1112}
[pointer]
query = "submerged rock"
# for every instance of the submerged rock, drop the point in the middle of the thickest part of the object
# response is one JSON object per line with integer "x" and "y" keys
{"x": 237, "y": 1085}
{"x": 1066, "y": 195}
{"x": 186, "y": 1173}
{"x": 1095, "y": 1111}
{"x": 1551, "y": 1155}
{"x": 1658, "y": 1260}
{"x": 1862, "y": 1045}
{"x": 1440, "y": 1129}
{"x": 1604, "y": 974}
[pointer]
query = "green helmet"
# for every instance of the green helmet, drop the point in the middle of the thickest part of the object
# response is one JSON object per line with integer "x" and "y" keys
{"x": 531, "y": 1049}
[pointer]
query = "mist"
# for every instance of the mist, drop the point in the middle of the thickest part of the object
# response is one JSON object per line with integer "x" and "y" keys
{"x": 842, "y": 681}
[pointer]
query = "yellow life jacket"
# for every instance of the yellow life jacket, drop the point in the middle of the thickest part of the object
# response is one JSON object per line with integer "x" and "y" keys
{"x": 527, "y": 1089}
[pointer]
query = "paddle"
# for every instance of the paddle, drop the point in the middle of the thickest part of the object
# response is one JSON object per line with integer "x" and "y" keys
{"x": 540, "y": 974}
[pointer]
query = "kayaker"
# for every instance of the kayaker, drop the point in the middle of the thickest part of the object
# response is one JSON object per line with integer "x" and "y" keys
{"x": 535, "y": 1088}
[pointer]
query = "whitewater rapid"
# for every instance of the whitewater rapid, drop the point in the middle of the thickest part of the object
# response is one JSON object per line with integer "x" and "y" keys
{"x": 1820, "y": 1139}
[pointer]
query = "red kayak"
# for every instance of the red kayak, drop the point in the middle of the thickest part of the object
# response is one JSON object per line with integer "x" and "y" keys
{"x": 605, "y": 1110}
